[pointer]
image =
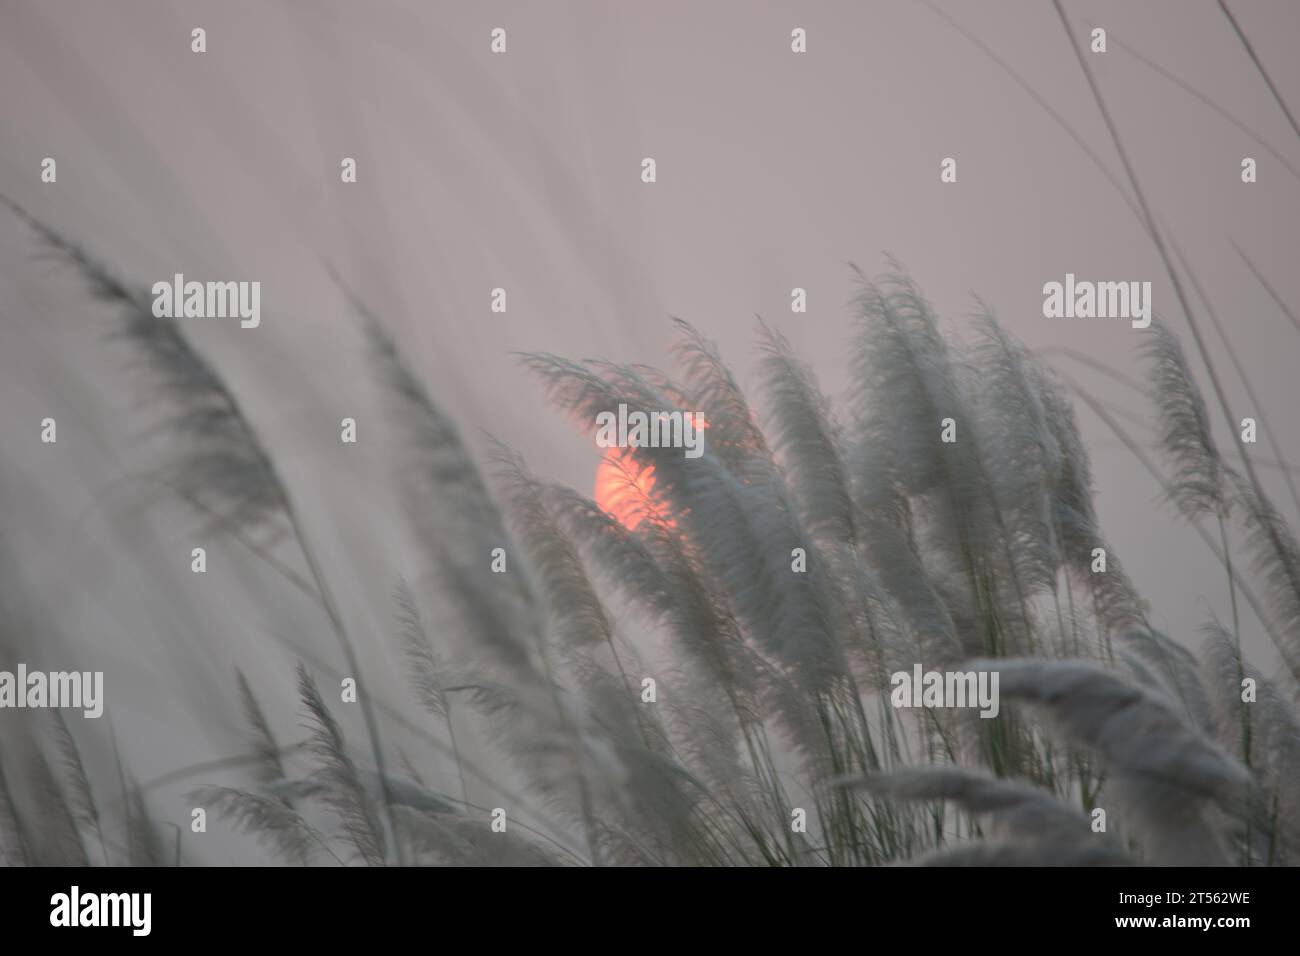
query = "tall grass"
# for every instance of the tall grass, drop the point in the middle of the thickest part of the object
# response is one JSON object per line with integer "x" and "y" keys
{"x": 771, "y": 683}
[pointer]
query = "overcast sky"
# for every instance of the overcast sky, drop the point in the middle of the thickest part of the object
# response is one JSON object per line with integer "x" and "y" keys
{"x": 522, "y": 171}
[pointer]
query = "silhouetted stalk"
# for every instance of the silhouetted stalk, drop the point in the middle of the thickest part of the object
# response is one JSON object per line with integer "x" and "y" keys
{"x": 1281, "y": 303}
{"x": 1242, "y": 374}
{"x": 455, "y": 749}
{"x": 584, "y": 793}
{"x": 1291, "y": 572}
{"x": 1084, "y": 146}
{"x": 336, "y": 623}
{"x": 1254, "y": 58}
{"x": 1136, "y": 450}
{"x": 1197, "y": 94}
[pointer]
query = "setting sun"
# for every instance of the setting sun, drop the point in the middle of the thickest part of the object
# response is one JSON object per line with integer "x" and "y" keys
{"x": 624, "y": 487}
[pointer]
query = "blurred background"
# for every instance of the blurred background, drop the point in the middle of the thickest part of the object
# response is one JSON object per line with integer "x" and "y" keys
{"x": 522, "y": 171}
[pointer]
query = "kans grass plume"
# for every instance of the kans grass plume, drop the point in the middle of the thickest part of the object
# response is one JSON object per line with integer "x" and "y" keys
{"x": 769, "y": 701}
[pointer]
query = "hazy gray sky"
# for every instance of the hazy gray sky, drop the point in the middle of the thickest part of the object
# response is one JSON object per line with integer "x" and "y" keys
{"x": 522, "y": 171}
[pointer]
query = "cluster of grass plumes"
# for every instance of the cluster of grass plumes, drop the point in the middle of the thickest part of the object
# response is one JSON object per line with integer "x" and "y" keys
{"x": 772, "y": 685}
{"x": 51, "y": 814}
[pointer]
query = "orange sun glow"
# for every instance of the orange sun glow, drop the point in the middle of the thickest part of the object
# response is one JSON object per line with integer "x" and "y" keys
{"x": 625, "y": 487}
